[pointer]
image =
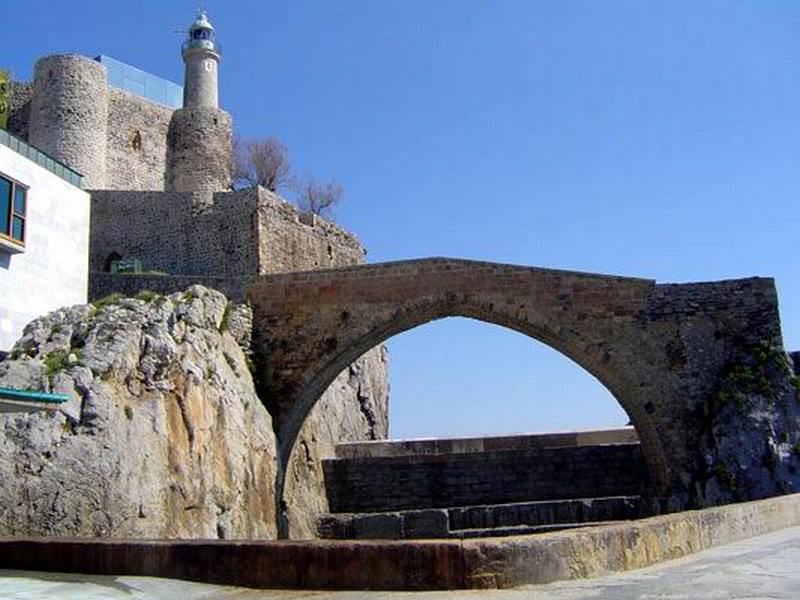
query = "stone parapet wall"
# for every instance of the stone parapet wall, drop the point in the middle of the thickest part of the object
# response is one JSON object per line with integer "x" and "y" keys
{"x": 408, "y": 482}
{"x": 293, "y": 241}
{"x": 102, "y": 284}
{"x": 381, "y": 448}
{"x": 412, "y": 564}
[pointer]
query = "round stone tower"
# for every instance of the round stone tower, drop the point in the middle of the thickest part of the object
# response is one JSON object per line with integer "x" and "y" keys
{"x": 201, "y": 55}
{"x": 199, "y": 150}
{"x": 69, "y": 114}
{"x": 199, "y": 144}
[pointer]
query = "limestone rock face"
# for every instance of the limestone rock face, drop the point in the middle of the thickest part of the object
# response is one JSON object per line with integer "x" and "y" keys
{"x": 354, "y": 407}
{"x": 751, "y": 443}
{"x": 164, "y": 437}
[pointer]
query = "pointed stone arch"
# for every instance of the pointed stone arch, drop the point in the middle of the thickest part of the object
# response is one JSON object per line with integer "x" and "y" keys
{"x": 657, "y": 348}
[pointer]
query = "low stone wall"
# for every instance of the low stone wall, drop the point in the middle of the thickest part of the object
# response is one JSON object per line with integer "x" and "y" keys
{"x": 408, "y": 482}
{"x": 102, "y": 284}
{"x": 412, "y": 565}
{"x": 378, "y": 448}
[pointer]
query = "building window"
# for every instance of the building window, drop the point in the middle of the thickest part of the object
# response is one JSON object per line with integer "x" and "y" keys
{"x": 13, "y": 198}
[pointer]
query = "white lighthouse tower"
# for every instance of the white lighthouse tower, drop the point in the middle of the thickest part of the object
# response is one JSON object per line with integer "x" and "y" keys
{"x": 199, "y": 146}
{"x": 201, "y": 53}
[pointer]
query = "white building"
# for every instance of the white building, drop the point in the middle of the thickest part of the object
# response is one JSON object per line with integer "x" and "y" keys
{"x": 44, "y": 237}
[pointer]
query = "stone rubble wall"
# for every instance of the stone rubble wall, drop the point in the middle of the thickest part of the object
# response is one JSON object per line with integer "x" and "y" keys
{"x": 116, "y": 139}
{"x": 19, "y": 109}
{"x": 176, "y": 233}
{"x": 69, "y": 114}
{"x": 293, "y": 241}
{"x": 130, "y": 284}
{"x": 136, "y": 143}
{"x": 199, "y": 150}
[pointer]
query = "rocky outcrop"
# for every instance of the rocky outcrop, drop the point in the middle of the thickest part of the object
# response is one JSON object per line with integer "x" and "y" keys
{"x": 750, "y": 447}
{"x": 164, "y": 436}
{"x": 354, "y": 407}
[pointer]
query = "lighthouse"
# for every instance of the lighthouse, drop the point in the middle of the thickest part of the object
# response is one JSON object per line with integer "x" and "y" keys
{"x": 201, "y": 54}
{"x": 199, "y": 150}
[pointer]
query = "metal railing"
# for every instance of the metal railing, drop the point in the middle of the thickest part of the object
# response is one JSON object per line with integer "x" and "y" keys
{"x": 42, "y": 159}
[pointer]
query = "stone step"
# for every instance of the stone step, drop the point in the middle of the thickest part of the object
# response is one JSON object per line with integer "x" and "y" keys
{"x": 481, "y": 521}
{"x": 521, "y": 530}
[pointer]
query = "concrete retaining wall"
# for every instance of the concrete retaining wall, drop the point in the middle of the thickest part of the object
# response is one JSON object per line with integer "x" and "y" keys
{"x": 413, "y": 565}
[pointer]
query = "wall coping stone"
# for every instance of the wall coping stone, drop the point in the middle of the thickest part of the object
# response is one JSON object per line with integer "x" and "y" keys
{"x": 411, "y": 564}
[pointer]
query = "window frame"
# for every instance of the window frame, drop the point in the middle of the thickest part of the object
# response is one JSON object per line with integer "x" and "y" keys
{"x": 7, "y": 235}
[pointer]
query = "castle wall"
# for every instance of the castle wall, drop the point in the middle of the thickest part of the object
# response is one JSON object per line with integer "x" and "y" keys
{"x": 130, "y": 284}
{"x": 239, "y": 234}
{"x": 20, "y": 108}
{"x": 176, "y": 233}
{"x": 116, "y": 138}
{"x": 292, "y": 241}
{"x": 136, "y": 143}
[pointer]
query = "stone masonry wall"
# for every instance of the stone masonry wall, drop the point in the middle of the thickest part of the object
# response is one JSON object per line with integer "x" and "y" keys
{"x": 297, "y": 242}
{"x": 239, "y": 234}
{"x": 176, "y": 233}
{"x": 136, "y": 143}
{"x": 20, "y": 108}
{"x": 130, "y": 284}
{"x": 355, "y": 405}
{"x": 412, "y": 482}
{"x": 134, "y": 130}
{"x": 69, "y": 114}
{"x": 682, "y": 360}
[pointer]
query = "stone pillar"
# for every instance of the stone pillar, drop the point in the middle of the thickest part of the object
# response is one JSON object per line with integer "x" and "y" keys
{"x": 69, "y": 114}
{"x": 199, "y": 150}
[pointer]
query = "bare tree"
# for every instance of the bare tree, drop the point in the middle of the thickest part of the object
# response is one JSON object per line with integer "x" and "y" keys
{"x": 237, "y": 166}
{"x": 261, "y": 162}
{"x": 317, "y": 197}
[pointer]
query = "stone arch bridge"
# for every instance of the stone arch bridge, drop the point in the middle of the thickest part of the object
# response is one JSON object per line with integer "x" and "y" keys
{"x": 658, "y": 348}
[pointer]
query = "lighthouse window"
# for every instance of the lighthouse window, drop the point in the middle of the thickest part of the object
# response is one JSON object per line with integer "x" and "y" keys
{"x": 13, "y": 200}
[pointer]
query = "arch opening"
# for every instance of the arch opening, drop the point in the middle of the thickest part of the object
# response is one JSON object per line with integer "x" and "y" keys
{"x": 458, "y": 377}
{"x": 589, "y": 359}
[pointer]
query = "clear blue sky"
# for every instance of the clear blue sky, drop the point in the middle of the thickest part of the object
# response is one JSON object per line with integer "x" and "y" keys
{"x": 656, "y": 139}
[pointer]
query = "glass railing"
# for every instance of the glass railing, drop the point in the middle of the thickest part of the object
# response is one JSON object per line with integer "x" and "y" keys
{"x": 132, "y": 79}
{"x": 41, "y": 158}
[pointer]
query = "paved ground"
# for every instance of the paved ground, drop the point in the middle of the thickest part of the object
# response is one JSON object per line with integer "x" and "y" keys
{"x": 764, "y": 567}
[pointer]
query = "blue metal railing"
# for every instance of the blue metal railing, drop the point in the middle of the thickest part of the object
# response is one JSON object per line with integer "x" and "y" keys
{"x": 31, "y": 396}
{"x": 42, "y": 159}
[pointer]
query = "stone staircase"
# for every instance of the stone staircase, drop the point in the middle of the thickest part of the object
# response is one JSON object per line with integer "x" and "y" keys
{"x": 479, "y": 487}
